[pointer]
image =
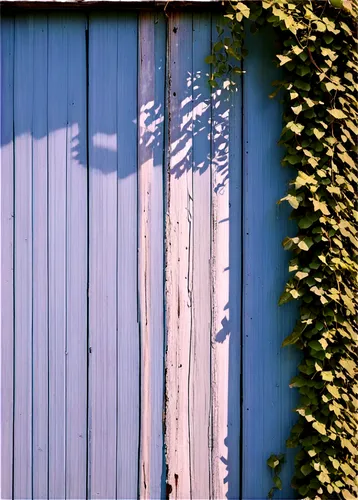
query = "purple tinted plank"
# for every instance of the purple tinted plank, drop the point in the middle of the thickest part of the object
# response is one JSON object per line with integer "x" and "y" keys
{"x": 267, "y": 369}
{"x": 157, "y": 262}
{"x": 128, "y": 416}
{"x": 7, "y": 255}
{"x": 23, "y": 113}
{"x": 57, "y": 172}
{"x": 103, "y": 36}
{"x": 40, "y": 262}
{"x": 232, "y": 329}
{"x": 76, "y": 261}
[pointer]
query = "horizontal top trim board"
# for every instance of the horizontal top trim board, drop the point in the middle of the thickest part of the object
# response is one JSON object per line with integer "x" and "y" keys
{"x": 112, "y": 4}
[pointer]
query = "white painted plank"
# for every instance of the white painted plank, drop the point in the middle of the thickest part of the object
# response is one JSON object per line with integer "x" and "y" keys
{"x": 220, "y": 291}
{"x": 76, "y": 262}
{"x": 7, "y": 255}
{"x": 150, "y": 261}
{"x": 179, "y": 238}
{"x": 57, "y": 171}
{"x": 200, "y": 345}
{"x": 40, "y": 263}
{"x": 128, "y": 418}
{"x": 23, "y": 257}
{"x": 103, "y": 146}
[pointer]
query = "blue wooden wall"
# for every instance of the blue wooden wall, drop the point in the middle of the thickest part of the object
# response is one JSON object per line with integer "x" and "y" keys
{"x": 141, "y": 262}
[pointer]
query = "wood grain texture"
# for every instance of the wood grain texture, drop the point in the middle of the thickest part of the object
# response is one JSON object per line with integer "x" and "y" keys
{"x": 151, "y": 105}
{"x": 70, "y": 222}
{"x": 179, "y": 258}
{"x": 226, "y": 262}
{"x": 57, "y": 213}
{"x": 103, "y": 227}
{"x": 200, "y": 343}
{"x": 40, "y": 263}
{"x": 233, "y": 329}
{"x": 267, "y": 399}
{"x": 220, "y": 267}
{"x": 128, "y": 356}
{"x": 76, "y": 261}
{"x": 7, "y": 255}
{"x": 23, "y": 113}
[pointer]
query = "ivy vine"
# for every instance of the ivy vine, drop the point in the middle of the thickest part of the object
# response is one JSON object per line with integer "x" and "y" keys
{"x": 319, "y": 56}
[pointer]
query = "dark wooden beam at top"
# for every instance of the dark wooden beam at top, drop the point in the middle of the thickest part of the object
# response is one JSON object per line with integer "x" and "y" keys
{"x": 9, "y": 6}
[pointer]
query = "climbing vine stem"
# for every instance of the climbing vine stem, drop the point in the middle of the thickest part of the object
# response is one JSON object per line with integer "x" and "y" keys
{"x": 319, "y": 58}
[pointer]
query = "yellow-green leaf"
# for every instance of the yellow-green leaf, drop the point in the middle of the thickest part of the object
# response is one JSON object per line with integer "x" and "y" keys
{"x": 321, "y": 428}
{"x": 318, "y": 133}
{"x": 243, "y": 8}
{"x": 332, "y": 389}
{"x": 327, "y": 376}
{"x": 337, "y": 113}
{"x": 297, "y": 109}
{"x": 323, "y": 343}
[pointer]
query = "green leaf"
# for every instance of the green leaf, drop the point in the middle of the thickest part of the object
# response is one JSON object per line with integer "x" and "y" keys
{"x": 210, "y": 59}
{"x": 348, "y": 365}
{"x": 307, "y": 221}
{"x": 306, "y": 469}
{"x": 321, "y": 428}
{"x": 347, "y": 159}
{"x": 278, "y": 483}
{"x": 320, "y": 205}
{"x": 327, "y": 376}
{"x": 315, "y": 345}
{"x": 295, "y": 127}
{"x": 273, "y": 461}
{"x": 244, "y": 9}
{"x": 318, "y": 133}
{"x": 337, "y": 113}
{"x": 323, "y": 343}
{"x": 297, "y": 109}
{"x": 294, "y": 201}
{"x": 285, "y": 297}
{"x": 300, "y": 84}
{"x": 300, "y": 275}
{"x": 332, "y": 389}
{"x": 283, "y": 59}
{"x": 292, "y": 339}
{"x": 309, "y": 102}
{"x": 305, "y": 244}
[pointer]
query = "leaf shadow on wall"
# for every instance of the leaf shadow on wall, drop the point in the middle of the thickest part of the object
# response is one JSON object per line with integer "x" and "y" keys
{"x": 52, "y": 117}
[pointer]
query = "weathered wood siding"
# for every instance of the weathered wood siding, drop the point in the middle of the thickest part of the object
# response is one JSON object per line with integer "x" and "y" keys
{"x": 141, "y": 262}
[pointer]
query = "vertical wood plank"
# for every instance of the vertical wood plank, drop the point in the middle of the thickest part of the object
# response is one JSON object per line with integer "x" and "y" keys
{"x": 128, "y": 380}
{"x": 200, "y": 342}
{"x": 226, "y": 262}
{"x": 23, "y": 119}
{"x": 103, "y": 221}
{"x": 40, "y": 263}
{"x": 7, "y": 254}
{"x": 179, "y": 247}
{"x": 220, "y": 290}
{"x": 76, "y": 262}
{"x": 267, "y": 399}
{"x": 150, "y": 258}
{"x": 233, "y": 331}
{"x": 57, "y": 171}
